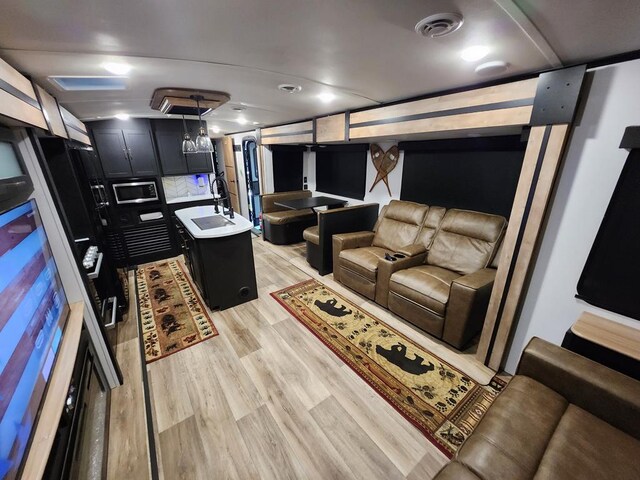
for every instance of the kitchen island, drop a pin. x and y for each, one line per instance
(219, 255)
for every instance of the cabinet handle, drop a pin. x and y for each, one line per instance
(126, 154)
(130, 156)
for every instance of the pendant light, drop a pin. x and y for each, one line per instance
(203, 142)
(188, 145)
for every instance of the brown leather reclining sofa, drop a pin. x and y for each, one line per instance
(283, 226)
(562, 417)
(444, 270)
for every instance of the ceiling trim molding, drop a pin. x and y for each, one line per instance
(531, 31)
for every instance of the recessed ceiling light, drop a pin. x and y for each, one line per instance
(496, 67)
(117, 68)
(256, 123)
(215, 129)
(238, 109)
(122, 116)
(475, 53)
(289, 88)
(242, 121)
(326, 97)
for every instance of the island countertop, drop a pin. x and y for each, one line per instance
(186, 216)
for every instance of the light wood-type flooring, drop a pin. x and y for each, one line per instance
(265, 399)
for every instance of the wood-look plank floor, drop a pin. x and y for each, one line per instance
(266, 399)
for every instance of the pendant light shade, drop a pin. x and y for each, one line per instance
(203, 142)
(188, 145)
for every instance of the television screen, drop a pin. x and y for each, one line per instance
(33, 312)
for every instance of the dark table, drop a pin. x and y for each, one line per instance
(311, 202)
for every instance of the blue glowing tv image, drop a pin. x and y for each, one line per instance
(33, 312)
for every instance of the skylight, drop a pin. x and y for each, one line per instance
(89, 83)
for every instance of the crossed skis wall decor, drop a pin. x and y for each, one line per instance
(384, 162)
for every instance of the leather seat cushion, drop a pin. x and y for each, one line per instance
(363, 261)
(584, 446)
(312, 234)
(288, 216)
(426, 285)
(513, 435)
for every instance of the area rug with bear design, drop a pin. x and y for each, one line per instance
(172, 316)
(444, 403)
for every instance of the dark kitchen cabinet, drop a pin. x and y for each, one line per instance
(113, 153)
(91, 164)
(141, 153)
(169, 135)
(172, 160)
(125, 148)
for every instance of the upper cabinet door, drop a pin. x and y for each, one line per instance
(142, 156)
(172, 159)
(113, 153)
(200, 162)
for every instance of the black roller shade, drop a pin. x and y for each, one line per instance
(479, 174)
(610, 278)
(287, 167)
(342, 170)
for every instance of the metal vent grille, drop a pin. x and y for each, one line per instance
(147, 240)
(439, 25)
(116, 246)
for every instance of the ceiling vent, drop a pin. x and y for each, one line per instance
(439, 25)
(238, 108)
(179, 101)
(289, 88)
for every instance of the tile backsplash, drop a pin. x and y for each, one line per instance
(184, 186)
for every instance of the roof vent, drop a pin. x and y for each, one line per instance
(179, 101)
(439, 25)
(72, 84)
(289, 88)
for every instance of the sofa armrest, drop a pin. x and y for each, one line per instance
(467, 306)
(413, 250)
(387, 268)
(605, 393)
(347, 241)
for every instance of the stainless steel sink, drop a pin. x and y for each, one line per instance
(212, 221)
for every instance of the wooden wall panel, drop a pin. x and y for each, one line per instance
(76, 129)
(18, 101)
(331, 128)
(51, 112)
(539, 171)
(476, 120)
(301, 132)
(230, 171)
(525, 89)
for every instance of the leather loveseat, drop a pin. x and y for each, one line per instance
(283, 226)
(561, 417)
(443, 272)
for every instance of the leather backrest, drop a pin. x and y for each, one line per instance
(380, 217)
(466, 241)
(269, 199)
(430, 225)
(400, 225)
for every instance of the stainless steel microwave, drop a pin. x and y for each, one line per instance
(135, 192)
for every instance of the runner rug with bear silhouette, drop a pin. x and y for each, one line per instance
(440, 400)
(173, 317)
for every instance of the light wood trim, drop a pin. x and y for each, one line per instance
(56, 396)
(492, 118)
(70, 119)
(15, 108)
(483, 96)
(14, 78)
(290, 128)
(532, 232)
(51, 112)
(261, 173)
(304, 138)
(509, 242)
(609, 334)
(331, 128)
(80, 137)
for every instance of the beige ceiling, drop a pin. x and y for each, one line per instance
(362, 51)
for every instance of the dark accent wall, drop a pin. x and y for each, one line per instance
(610, 277)
(342, 169)
(287, 167)
(478, 174)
